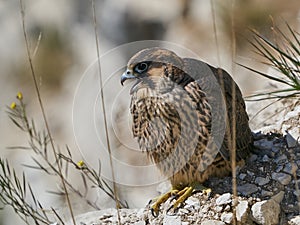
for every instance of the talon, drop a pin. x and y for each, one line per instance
(154, 212)
(159, 201)
(174, 195)
(169, 209)
(180, 197)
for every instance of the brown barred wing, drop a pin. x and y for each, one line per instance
(218, 86)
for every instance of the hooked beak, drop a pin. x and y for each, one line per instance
(127, 75)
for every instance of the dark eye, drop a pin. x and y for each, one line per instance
(141, 67)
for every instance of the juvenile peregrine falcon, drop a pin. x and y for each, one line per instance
(183, 116)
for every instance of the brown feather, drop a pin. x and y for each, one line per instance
(176, 105)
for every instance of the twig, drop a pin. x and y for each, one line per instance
(43, 110)
(13, 193)
(104, 113)
(215, 31)
(233, 129)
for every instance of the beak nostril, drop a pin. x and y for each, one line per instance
(127, 75)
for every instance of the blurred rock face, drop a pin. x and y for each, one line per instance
(255, 15)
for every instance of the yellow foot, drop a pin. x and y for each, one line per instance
(180, 197)
(163, 198)
(203, 189)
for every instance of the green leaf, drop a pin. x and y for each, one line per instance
(266, 75)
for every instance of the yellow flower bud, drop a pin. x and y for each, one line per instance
(20, 96)
(80, 163)
(13, 105)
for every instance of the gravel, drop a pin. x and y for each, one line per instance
(265, 186)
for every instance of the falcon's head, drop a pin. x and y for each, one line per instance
(151, 65)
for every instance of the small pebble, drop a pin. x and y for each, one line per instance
(251, 174)
(247, 189)
(290, 168)
(140, 223)
(241, 211)
(291, 141)
(185, 210)
(242, 176)
(263, 144)
(227, 217)
(282, 178)
(295, 220)
(262, 181)
(265, 193)
(223, 199)
(252, 158)
(192, 202)
(171, 220)
(276, 149)
(218, 208)
(205, 208)
(227, 208)
(265, 158)
(281, 159)
(278, 168)
(212, 222)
